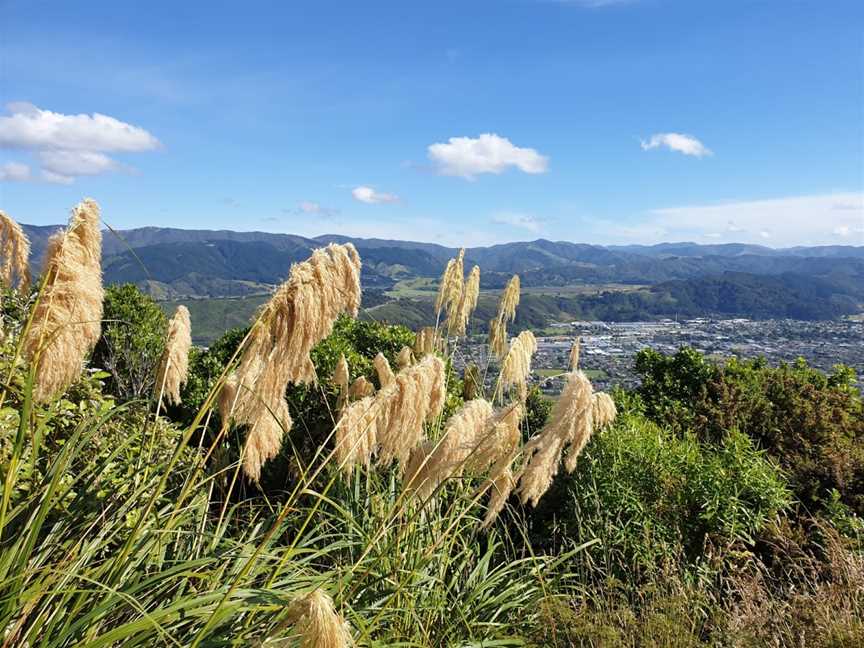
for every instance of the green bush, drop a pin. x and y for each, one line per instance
(132, 341)
(811, 423)
(658, 501)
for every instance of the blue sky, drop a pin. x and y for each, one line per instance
(466, 122)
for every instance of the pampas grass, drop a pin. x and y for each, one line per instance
(426, 341)
(66, 322)
(574, 354)
(299, 315)
(174, 364)
(570, 424)
(434, 462)
(360, 388)
(396, 415)
(516, 366)
(405, 358)
(450, 288)
(317, 622)
(603, 410)
(382, 368)
(506, 313)
(15, 252)
(457, 321)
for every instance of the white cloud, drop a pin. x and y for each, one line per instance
(795, 220)
(69, 146)
(371, 197)
(312, 208)
(515, 219)
(76, 163)
(309, 207)
(29, 127)
(686, 144)
(56, 178)
(14, 172)
(468, 157)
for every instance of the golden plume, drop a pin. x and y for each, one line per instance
(426, 341)
(457, 320)
(360, 388)
(382, 368)
(398, 413)
(452, 282)
(604, 411)
(317, 622)
(574, 354)
(516, 366)
(67, 317)
(174, 364)
(299, 315)
(15, 252)
(570, 424)
(405, 358)
(506, 313)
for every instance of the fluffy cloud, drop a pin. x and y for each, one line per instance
(781, 222)
(686, 144)
(29, 127)
(468, 157)
(69, 146)
(522, 221)
(14, 172)
(371, 197)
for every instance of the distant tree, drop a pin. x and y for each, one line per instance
(133, 337)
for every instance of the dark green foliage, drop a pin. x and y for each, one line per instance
(659, 501)
(132, 341)
(810, 423)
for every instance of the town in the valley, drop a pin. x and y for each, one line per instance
(608, 349)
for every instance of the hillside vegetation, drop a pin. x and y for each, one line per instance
(315, 479)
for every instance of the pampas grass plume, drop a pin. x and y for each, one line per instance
(457, 321)
(425, 341)
(382, 368)
(516, 366)
(174, 364)
(299, 315)
(570, 424)
(452, 282)
(506, 313)
(405, 358)
(317, 622)
(604, 411)
(15, 252)
(67, 317)
(360, 388)
(574, 354)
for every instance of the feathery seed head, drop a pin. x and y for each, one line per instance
(604, 411)
(516, 366)
(382, 367)
(174, 364)
(570, 424)
(457, 320)
(574, 354)
(452, 282)
(405, 358)
(498, 338)
(15, 253)
(67, 318)
(426, 341)
(317, 622)
(299, 315)
(341, 375)
(509, 300)
(360, 388)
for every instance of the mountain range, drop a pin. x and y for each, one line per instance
(735, 279)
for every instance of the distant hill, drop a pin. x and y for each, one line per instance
(753, 280)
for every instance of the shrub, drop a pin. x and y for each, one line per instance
(132, 340)
(658, 501)
(811, 423)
